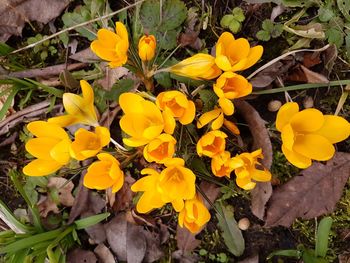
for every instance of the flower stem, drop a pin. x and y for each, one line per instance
(116, 144)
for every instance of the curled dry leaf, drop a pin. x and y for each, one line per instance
(64, 190)
(14, 14)
(104, 254)
(315, 192)
(47, 205)
(81, 256)
(126, 240)
(253, 259)
(262, 192)
(123, 198)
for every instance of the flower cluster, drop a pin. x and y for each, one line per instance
(54, 149)
(151, 124)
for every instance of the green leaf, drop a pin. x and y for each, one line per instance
(277, 30)
(323, 231)
(226, 21)
(5, 49)
(235, 26)
(344, 7)
(90, 221)
(325, 14)
(150, 14)
(164, 79)
(209, 99)
(309, 257)
(267, 25)
(72, 19)
(287, 253)
(238, 14)
(168, 39)
(232, 235)
(298, 3)
(335, 36)
(173, 15)
(120, 87)
(263, 35)
(8, 101)
(199, 166)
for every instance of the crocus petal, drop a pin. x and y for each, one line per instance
(40, 167)
(231, 126)
(223, 63)
(118, 184)
(130, 103)
(226, 105)
(254, 55)
(135, 142)
(285, 114)
(121, 31)
(245, 183)
(169, 122)
(288, 137)
(296, 159)
(44, 129)
(64, 120)
(97, 181)
(261, 176)
(60, 152)
(335, 128)
(104, 135)
(189, 113)
(314, 146)
(217, 123)
(88, 93)
(314, 121)
(41, 147)
(208, 117)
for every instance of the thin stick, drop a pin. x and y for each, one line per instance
(76, 26)
(283, 56)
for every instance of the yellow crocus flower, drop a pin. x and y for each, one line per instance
(308, 134)
(147, 47)
(236, 54)
(87, 144)
(194, 215)
(51, 148)
(211, 143)
(80, 109)
(160, 149)
(222, 164)
(112, 47)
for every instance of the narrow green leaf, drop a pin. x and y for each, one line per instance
(323, 231)
(8, 102)
(303, 86)
(5, 49)
(90, 221)
(287, 253)
(232, 235)
(50, 90)
(10, 216)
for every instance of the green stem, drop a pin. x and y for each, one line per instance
(54, 243)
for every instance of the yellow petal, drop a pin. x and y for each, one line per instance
(226, 105)
(121, 31)
(152, 132)
(88, 93)
(60, 153)
(231, 126)
(169, 122)
(41, 147)
(285, 114)
(40, 167)
(296, 159)
(97, 181)
(308, 120)
(73, 104)
(288, 137)
(223, 63)
(190, 112)
(245, 183)
(217, 123)
(314, 146)
(224, 41)
(335, 128)
(103, 134)
(45, 129)
(261, 176)
(254, 55)
(64, 120)
(135, 142)
(208, 117)
(131, 103)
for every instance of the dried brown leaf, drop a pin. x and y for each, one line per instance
(104, 254)
(262, 192)
(153, 252)
(313, 77)
(79, 255)
(186, 241)
(123, 198)
(47, 205)
(14, 14)
(85, 56)
(313, 193)
(126, 240)
(253, 259)
(64, 190)
(344, 257)
(111, 75)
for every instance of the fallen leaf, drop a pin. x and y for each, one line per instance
(313, 193)
(111, 75)
(64, 190)
(344, 258)
(311, 59)
(313, 77)
(192, 30)
(186, 241)
(330, 56)
(126, 240)
(47, 205)
(85, 56)
(253, 259)
(104, 254)
(211, 192)
(276, 11)
(262, 191)
(123, 198)
(14, 14)
(153, 251)
(184, 257)
(79, 255)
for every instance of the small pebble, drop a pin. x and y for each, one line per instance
(243, 223)
(274, 105)
(308, 102)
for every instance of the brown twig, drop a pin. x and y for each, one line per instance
(29, 112)
(9, 140)
(43, 72)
